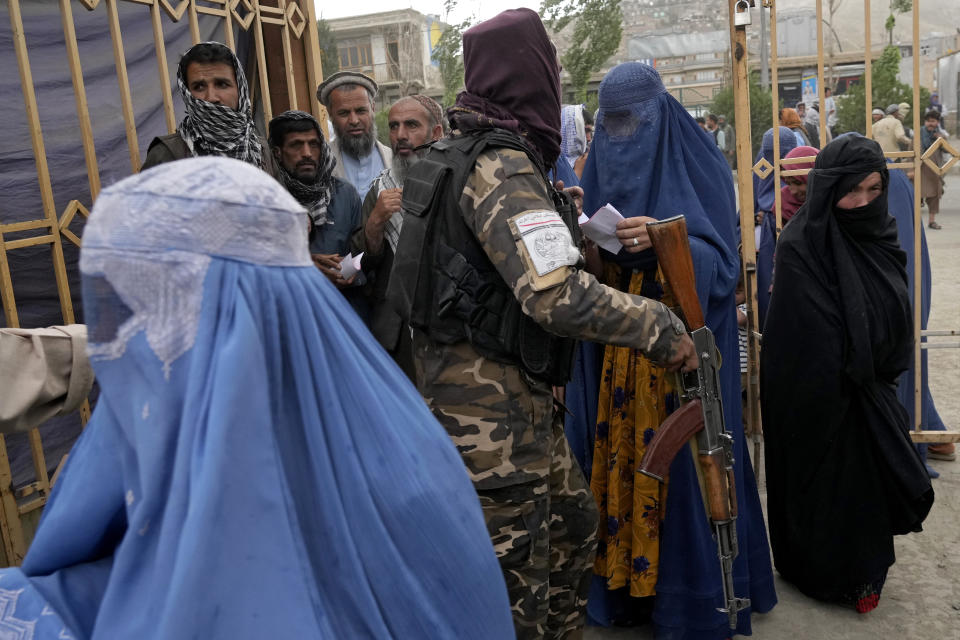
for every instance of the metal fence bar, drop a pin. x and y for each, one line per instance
(867, 69)
(775, 91)
(917, 222)
(314, 68)
(288, 59)
(228, 38)
(821, 80)
(162, 68)
(741, 91)
(194, 22)
(80, 93)
(262, 65)
(126, 103)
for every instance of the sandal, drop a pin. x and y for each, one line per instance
(935, 225)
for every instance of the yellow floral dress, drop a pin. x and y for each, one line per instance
(635, 398)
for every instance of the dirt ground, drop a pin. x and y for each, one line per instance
(921, 599)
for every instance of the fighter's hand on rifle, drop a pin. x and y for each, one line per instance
(683, 355)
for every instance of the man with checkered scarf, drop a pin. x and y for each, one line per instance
(218, 119)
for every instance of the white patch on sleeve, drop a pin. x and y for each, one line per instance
(548, 241)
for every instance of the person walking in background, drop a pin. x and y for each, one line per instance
(889, 133)
(830, 107)
(791, 120)
(729, 146)
(931, 183)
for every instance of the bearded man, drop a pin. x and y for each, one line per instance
(305, 168)
(218, 120)
(350, 101)
(414, 121)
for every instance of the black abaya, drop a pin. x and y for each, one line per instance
(842, 474)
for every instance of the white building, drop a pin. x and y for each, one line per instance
(392, 47)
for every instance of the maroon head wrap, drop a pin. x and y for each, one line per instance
(512, 81)
(789, 203)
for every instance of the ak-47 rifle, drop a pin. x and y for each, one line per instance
(702, 413)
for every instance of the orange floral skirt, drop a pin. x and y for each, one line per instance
(635, 398)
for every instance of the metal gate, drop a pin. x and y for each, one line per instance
(913, 159)
(283, 66)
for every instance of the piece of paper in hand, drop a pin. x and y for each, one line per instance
(602, 228)
(350, 265)
(583, 219)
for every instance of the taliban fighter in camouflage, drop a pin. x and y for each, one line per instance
(487, 275)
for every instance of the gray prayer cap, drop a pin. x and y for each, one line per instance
(878, 112)
(345, 77)
(893, 109)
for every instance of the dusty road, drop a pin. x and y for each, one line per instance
(921, 600)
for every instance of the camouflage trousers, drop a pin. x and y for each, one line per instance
(544, 533)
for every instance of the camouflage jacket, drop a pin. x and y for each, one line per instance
(498, 417)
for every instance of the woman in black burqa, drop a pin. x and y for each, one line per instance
(842, 475)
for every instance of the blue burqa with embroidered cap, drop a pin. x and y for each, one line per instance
(256, 466)
(650, 158)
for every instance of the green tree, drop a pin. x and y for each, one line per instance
(761, 116)
(896, 6)
(597, 30)
(448, 53)
(328, 48)
(886, 89)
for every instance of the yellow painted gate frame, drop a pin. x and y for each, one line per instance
(913, 159)
(295, 18)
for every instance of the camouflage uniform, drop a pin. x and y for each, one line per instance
(539, 510)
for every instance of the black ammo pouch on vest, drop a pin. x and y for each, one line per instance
(442, 281)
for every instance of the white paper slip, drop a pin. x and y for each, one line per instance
(583, 219)
(350, 265)
(602, 228)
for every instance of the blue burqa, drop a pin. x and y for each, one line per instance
(764, 199)
(900, 206)
(649, 157)
(256, 466)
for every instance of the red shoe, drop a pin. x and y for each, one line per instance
(942, 451)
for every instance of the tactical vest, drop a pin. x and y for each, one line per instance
(442, 281)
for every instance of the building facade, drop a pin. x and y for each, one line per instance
(392, 47)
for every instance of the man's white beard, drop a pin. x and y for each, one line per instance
(401, 165)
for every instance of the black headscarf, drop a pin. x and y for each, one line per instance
(512, 80)
(842, 474)
(860, 246)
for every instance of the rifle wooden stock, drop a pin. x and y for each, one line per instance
(718, 490)
(675, 432)
(670, 242)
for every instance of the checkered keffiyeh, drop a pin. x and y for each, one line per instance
(216, 130)
(387, 180)
(315, 196)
